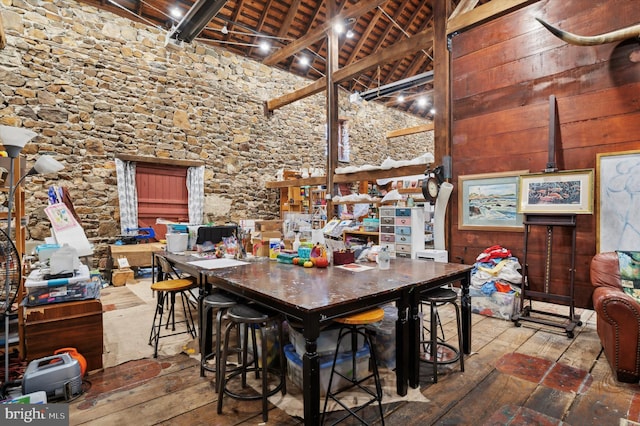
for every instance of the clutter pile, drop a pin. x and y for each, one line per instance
(495, 281)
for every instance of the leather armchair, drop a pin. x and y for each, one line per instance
(618, 318)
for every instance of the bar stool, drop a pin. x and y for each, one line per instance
(250, 318)
(353, 326)
(167, 291)
(219, 301)
(436, 350)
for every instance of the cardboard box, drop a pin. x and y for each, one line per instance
(260, 242)
(268, 225)
(120, 277)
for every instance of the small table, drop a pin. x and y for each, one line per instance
(315, 296)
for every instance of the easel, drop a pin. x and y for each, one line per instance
(551, 221)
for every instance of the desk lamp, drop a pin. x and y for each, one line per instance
(14, 139)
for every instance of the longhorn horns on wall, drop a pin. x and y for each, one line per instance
(618, 35)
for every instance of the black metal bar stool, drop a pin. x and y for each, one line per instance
(353, 326)
(219, 301)
(166, 292)
(436, 350)
(250, 319)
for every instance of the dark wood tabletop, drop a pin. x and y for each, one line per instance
(316, 295)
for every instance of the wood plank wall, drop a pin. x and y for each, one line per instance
(503, 74)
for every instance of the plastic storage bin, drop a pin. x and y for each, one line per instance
(326, 341)
(40, 291)
(498, 305)
(343, 365)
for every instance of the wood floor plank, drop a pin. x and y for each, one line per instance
(551, 402)
(175, 375)
(164, 407)
(169, 391)
(605, 402)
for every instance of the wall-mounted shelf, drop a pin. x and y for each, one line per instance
(369, 175)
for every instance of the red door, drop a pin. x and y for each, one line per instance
(162, 193)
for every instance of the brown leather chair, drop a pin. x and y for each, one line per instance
(618, 320)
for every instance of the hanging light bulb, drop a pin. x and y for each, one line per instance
(265, 46)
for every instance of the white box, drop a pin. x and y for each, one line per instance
(326, 343)
(441, 256)
(343, 365)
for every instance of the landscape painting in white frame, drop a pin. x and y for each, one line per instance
(618, 192)
(563, 192)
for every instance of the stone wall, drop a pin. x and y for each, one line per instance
(94, 85)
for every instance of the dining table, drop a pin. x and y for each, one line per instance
(313, 297)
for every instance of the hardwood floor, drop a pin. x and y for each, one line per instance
(515, 376)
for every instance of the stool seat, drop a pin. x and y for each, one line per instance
(173, 285)
(219, 300)
(167, 291)
(247, 314)
(441, 295)
(363, 318)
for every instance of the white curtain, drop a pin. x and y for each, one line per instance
(195, 187)
(127, 195)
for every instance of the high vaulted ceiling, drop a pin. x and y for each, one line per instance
(241, 26)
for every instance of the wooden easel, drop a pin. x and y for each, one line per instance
(551, 221)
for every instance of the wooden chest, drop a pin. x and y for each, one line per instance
(62, 325)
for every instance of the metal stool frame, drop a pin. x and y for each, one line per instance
(250, 319)
(437, 298)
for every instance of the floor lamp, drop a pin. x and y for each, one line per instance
(14, 139)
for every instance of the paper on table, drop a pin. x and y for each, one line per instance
(355, 267)
(217, 263)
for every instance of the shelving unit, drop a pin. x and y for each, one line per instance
(364, 236)
(318, 208)
(364, 178)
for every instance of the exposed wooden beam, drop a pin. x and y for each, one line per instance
(164, 161)
(316, 87)
(291, 13)
(410, 131)
(484, 13)
(332, 103)
(260, 23)
(319, 32)
(463, 7)
(390, 74)
(421, 40)
(363, 38)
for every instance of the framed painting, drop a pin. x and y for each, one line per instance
(487, 202)
(566, 192)
(618, 201)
